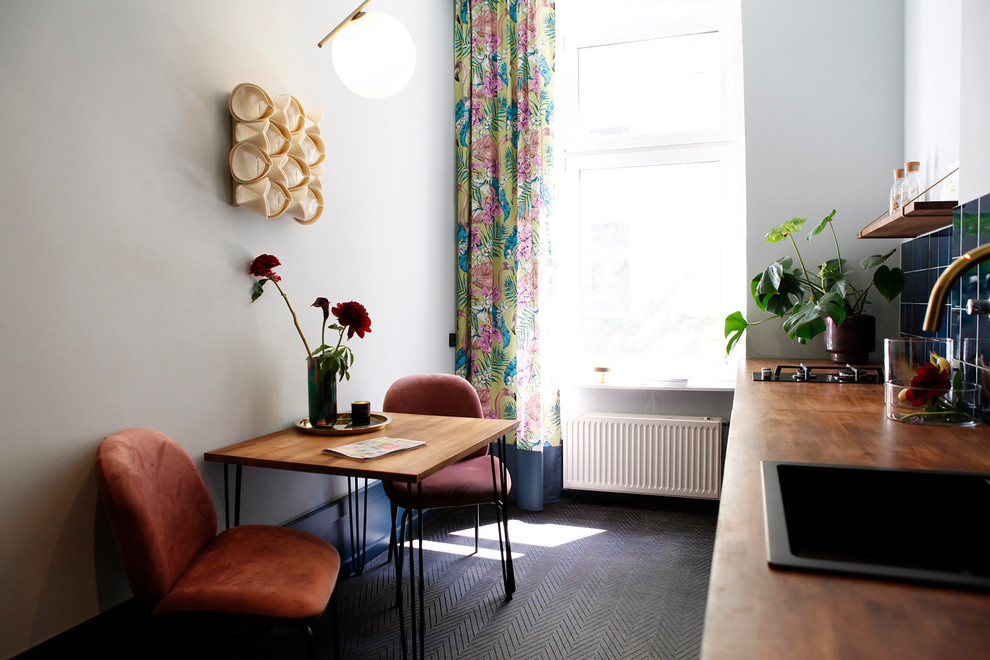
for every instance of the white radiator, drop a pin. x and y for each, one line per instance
(679, 456)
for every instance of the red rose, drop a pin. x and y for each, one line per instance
(354, 317)
(262, 267)
(930, 383)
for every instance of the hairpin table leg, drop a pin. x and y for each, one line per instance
(510, 584)
(226, 496)
(237, 494)
(422, 580)
(359, 541)
(399, 548)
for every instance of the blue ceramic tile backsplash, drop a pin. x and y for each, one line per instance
(923, 259)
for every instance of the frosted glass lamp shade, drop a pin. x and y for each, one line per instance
(374, 55)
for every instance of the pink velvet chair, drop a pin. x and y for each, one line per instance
(165, 527)
(468, 482)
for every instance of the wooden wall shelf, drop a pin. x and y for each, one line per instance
(915, 219)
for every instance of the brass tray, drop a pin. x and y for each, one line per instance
(344, 426)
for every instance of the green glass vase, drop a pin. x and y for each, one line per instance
(322, 395)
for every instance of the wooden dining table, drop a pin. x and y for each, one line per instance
(447, 441)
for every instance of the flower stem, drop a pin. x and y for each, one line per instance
(939, 407)
(295, 321)
(949, 415)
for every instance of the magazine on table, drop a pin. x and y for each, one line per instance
(374, 448)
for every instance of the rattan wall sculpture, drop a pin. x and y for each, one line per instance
(278, 155)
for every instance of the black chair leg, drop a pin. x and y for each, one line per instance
(477, 525)
(162, 639)
(310, 646)
(335, 627)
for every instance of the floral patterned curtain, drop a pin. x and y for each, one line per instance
(504, 68)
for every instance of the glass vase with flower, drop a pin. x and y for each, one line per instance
(927, 392)
(326, 365)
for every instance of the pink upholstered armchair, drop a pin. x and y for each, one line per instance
(466, 483)
(165, 528)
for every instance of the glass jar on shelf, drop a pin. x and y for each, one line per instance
(912, 181)
(897, 191)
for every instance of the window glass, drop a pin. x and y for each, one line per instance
(651, 281)
(666, 85)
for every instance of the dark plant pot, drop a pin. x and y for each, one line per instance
(853, 341)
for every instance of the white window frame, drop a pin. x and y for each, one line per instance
(634, 20)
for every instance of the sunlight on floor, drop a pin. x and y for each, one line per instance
(520, 533)
(465, 550)
(548, 535)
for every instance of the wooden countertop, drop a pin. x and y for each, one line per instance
(761, 613)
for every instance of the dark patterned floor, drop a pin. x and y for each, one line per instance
(634, 588)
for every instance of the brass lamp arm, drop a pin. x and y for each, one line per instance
(353, 15)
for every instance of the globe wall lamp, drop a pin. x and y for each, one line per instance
(373, 53)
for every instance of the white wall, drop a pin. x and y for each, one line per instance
(974, 123)
(126, 297)
(824, 104)
(932, 56)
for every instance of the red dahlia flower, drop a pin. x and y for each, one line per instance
(262, 267)
(930, 383)
(354, 317)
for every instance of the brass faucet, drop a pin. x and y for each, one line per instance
(936, 301)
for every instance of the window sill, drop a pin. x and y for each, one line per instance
(690, 385)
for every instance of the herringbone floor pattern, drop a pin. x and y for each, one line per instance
(635, 590)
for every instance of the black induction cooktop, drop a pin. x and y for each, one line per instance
(886, 523)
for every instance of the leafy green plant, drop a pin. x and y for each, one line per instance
(803, 298)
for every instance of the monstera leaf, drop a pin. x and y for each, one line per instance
(807, 320)
(777, 289)
(889, 282)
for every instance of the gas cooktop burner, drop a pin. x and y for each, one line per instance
(802, 374)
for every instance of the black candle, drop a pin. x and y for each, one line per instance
(360, 413)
